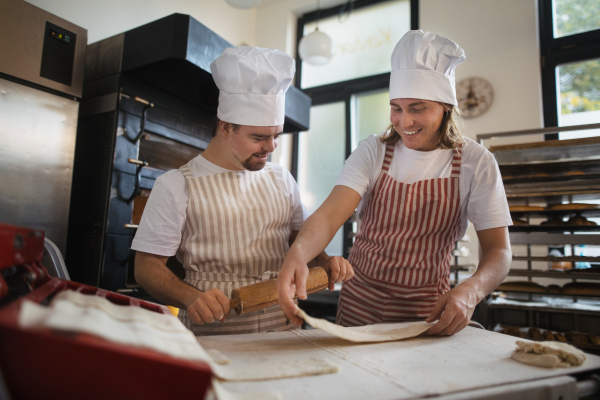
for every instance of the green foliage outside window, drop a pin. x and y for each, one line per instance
(574, 16)
(580, 86)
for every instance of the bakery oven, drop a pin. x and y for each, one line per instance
(149, 103)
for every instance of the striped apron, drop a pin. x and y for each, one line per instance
(402, 252)
(236, 233)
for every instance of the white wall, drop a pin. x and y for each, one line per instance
(105, 18)
(500, 39)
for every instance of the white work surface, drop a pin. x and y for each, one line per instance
(414, 368)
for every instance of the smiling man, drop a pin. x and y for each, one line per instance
(228, 215)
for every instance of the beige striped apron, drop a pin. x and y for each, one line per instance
(401, 255)
(236, 233)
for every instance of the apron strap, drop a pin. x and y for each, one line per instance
(456, 162)
(387, 159)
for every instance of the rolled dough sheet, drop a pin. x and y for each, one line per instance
(275, 370)
(366, 337)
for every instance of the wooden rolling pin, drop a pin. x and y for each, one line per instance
(264, 294)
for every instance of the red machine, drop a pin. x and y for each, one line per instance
(64, 365)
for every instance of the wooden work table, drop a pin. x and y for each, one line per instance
(426, 366)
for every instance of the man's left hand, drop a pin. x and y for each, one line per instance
(341, 270)
(455, 308)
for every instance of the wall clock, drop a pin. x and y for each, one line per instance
(475, 96)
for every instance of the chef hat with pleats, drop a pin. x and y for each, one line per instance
(252, 82)
(423, 66)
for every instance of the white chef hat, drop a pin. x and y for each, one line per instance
(252, 82)
(423, 67)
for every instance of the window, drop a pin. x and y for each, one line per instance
(570, 54)
(349, 95)
(363, 43)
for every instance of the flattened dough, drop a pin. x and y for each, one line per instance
(548, 354)
(539, 360)
(364, 337)
(275, 370)
(564, 351)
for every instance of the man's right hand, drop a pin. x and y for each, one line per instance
(208, 307)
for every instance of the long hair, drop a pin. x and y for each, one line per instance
(451, 131)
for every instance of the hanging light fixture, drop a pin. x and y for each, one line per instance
(243, 4)
(316, 48)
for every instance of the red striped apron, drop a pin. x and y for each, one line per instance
(402, 252)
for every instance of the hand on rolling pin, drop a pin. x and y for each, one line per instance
(291, 280)
(456, 308)
(339, 270)
(208, 307)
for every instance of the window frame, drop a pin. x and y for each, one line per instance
(344, 90)
(558, 51)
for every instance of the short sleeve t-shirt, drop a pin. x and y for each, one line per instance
(160, 230)
(482, 197)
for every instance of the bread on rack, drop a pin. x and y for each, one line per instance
(530, 287)
(578, 220)
(563, 265)
(581, 288)
(526, 208)
(593, 338)
(560, 337)
(535, 334)
(549, 336)
(574, 337)
(513, 331)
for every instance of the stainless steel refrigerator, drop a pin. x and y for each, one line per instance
(41, 78)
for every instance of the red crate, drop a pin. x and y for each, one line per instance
(44, 364)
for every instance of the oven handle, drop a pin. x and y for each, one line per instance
(138, 175)
(147, 105)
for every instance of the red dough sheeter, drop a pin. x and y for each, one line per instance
(53, 365)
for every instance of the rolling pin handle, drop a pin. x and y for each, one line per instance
(234, 304)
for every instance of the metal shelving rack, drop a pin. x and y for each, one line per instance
(550, 172)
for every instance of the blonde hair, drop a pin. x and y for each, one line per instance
(451, 131)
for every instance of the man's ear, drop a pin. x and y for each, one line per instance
(225, 127)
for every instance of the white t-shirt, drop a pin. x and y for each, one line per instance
(163, 221)
(482, 197)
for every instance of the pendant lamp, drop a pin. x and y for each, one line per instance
(243, 4)
(316, 48)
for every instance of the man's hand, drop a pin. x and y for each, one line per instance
(341, 270)
(456, 309)
(209, 306)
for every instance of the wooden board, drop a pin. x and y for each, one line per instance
(424, 366)
(546, 144)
